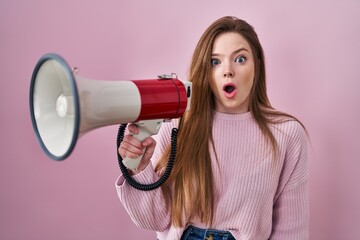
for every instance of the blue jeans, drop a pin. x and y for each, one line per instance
(195, 233)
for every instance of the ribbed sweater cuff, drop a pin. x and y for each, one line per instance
(143, 177)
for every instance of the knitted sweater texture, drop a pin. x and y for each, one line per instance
(257, 197)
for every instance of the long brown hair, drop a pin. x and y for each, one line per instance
(191, 185)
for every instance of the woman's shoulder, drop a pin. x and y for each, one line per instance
(288, 125)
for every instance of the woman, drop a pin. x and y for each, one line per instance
(241, 170)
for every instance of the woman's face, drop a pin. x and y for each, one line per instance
(232, 73)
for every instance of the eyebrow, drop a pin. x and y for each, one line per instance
(236, 51)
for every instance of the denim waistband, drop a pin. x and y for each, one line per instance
(192, 233)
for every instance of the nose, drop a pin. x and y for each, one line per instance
(228, 74)
(228, 71)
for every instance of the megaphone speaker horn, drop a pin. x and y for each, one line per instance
(54, 106)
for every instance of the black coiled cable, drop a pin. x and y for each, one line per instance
(169, 167)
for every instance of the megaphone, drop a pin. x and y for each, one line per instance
(65, 106)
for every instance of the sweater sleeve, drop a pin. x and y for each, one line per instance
(291, 204)
(147, 209)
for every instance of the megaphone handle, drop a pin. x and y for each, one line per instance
(169, 166)
(146, 128)
(133, 163)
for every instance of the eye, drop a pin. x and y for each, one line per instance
(215, 61)
(240, 59)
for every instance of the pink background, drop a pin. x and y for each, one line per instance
(312, 52)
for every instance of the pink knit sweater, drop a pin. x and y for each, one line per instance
(257, 197)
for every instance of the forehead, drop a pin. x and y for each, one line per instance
(229, 42)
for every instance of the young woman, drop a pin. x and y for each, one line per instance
(241, 170)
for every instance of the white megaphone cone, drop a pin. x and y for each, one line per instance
(65, 106)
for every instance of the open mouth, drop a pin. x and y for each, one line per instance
(229, 88)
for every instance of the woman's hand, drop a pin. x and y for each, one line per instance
(132, 148)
